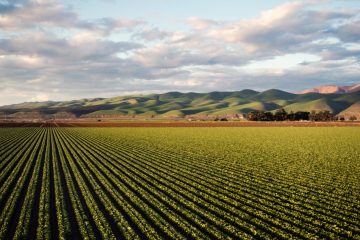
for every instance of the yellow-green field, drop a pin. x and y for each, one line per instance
(180, 183)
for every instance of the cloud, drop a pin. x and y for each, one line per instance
(150, 34)
(83, 46)
(6, 7)
(201, 24)
(283, 29)
(27, 14)
(41, 97)
(46, 48)
(33, 13)
(349, 32)
(9, 5)
(107, 26)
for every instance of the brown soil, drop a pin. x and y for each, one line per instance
(182, 124)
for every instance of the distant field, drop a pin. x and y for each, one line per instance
(183, 123)
(180, 183)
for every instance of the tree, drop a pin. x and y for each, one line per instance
(302, 116)
(260, 116)
(298, 116)
(268, 116)
(321, 116)
(280, 115)
(326, 116)
(313, 116)
(353, 118)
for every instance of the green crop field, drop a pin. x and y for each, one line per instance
(180, 183)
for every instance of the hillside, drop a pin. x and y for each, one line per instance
(353, 110)
(176, 104)
(332, 89)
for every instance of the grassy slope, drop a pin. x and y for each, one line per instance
(353, 110)
(180, 104)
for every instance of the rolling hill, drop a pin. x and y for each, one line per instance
(177, 104)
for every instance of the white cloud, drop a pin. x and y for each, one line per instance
(24, 61)
(286, 61)
(35, 80)
(41, 97)
(45, 47)
(150, 34)
(201, 24)
(35, 13)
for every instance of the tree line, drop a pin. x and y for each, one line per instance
(282, 115)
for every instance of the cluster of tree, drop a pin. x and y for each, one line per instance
(353, 118)
(260, 116)
(224, 119)
(322, 116)
(282, 115)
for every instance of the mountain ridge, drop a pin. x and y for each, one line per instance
(332, 89)
(178, 104)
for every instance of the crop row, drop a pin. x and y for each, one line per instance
(72, 183)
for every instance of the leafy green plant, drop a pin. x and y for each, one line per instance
(180, 183)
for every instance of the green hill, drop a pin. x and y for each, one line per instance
(316, 105)
(274, 94)
(177, 104)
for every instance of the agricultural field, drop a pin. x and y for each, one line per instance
(180, 183)
(182, 123)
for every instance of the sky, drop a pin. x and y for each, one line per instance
(64, 50)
